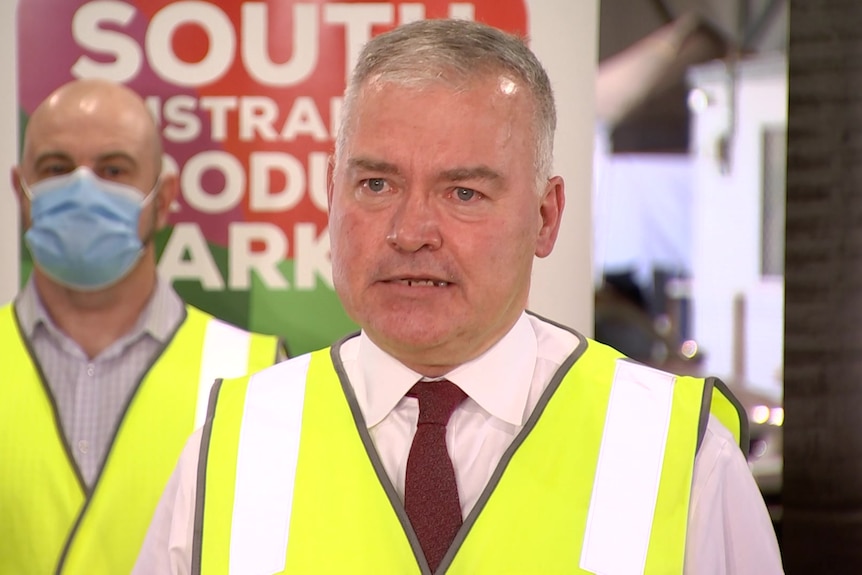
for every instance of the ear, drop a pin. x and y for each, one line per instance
(550, 213)
(330, 175)
(165, 197)
(15, 176)
(23, 201)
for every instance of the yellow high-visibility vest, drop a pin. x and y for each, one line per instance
(49, 521)
(598, 480)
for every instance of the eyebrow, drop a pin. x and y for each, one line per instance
(370, 165)
(459, 174)
(106, 157)
(118, 155)
(51, 155)
(471, 173)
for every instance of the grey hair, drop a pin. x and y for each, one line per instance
(456, 52)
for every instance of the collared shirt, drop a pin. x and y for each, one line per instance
(494, 383)
(729, 531)
(91, 394)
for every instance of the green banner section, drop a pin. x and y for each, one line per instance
(305, 319)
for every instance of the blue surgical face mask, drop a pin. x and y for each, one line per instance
(84, 230)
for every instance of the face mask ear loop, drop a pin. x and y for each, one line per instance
(25, 188)
(152, 193)
(147, 200)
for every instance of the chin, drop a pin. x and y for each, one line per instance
(409, 336)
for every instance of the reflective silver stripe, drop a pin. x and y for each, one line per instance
(629, 471)
(265, 476)
(225, 354)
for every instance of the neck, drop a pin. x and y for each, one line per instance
(96, 319)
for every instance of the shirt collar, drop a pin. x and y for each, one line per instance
(29, 310)
(160, 317)
(163, 313)
(498, 380)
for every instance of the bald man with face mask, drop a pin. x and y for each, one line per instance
(107, 370)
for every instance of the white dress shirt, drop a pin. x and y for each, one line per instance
(729, 530)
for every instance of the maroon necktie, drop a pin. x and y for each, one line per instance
(430, 492)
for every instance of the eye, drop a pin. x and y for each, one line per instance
(111, 172)
(50, 170)
(376, 185)
(466, 194)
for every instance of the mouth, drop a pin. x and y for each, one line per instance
(418, 282)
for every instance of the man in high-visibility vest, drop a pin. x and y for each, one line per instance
(106, 370)
(457, 432)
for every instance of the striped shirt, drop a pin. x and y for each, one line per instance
(91, 395)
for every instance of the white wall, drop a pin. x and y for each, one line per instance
(8, 154)
(563, 34)
(567, 45)
(727, 214)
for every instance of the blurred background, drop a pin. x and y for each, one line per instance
(689, 199)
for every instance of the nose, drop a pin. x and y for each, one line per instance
(414, 225)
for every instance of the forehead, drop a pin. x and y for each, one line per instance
(86, 134)
(492, 112)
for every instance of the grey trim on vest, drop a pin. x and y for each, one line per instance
(54, 409)
(744, 432)
(386, 483)
(382, 477)
(156, 357)
(200, 494)
(282, 351)
(705, 405)
(90, 494)
(552, 387)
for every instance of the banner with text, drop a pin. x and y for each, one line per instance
(247, 96)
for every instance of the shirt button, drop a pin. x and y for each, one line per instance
(91, 369)
(83, 446)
